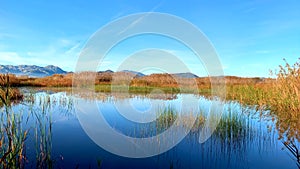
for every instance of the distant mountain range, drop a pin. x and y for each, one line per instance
(31, 70)
(37, 71)
(185, 75)
(137, 74)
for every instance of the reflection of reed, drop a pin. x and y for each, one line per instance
(12, 136)
(166, 118)
(281, 96)
(103, 97)
(232, 140)
(43, 134)
(291, 146)
(44, 105)
(12, 140)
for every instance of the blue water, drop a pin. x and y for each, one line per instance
(256, 146)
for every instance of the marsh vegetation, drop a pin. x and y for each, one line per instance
(260, 116)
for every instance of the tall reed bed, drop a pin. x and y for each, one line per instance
(282, 97)
(15, 127)
(285, 100)
(12, 135)
(7, 93)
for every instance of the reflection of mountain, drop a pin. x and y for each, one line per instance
(31, 70)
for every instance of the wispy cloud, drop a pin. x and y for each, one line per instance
(249, 10)
(13, 58)
(74, 50)
(279, 25)
(6, 35)
(61, 52)
(3, 47)
(119, 14)
(263, 51)
(138, 20)
(131, 25)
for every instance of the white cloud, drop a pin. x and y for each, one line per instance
(65, 42)
(6, 35)
(74, 49)
(13, 58)
(62, 53)
(262, 51)
(3, 47)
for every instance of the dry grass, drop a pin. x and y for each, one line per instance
(285, 99)
(103, 81)
(8, 94)
(12, 137)
(281, 96)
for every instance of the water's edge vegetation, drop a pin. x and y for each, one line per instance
(281, 96)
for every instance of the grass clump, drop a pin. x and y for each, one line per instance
(8, 94)
(12, 136)
(285, 100)
(166, 118)
(281, 96)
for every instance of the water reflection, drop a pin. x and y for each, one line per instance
(54, 138)
(294, 150)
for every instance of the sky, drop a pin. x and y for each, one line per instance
(250, 37)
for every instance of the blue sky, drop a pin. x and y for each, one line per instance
(250, 37)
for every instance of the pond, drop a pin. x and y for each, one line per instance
(119, 131)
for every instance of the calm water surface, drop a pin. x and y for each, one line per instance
(243, 138)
